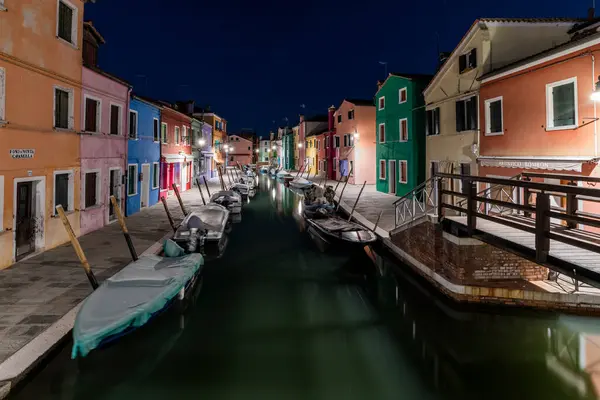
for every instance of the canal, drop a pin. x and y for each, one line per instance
(277, 319)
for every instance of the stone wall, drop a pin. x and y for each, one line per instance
(472, 263)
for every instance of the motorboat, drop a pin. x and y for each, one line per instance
(300, 183)
(264, 169)
(284, 176)
(314, 211)
(211, 219)
(337, 233)
(229, 199)
(134, 296)
(242, 189)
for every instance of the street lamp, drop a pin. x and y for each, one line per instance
(201, 142)
(299, 145)
(256, 151)
(274, 147)
(596, 93)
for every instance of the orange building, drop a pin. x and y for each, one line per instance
(40, 98)
(537, 114)
(219, 137)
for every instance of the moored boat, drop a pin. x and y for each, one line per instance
(300, 183)
(339, 234)
(229, 199)
(213, 220)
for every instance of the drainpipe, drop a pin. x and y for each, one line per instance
(595, 116)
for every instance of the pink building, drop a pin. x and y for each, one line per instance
(103, 145)
(240, 150)
(305, 127)
(354, 141)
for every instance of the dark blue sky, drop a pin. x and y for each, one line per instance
(256, 62)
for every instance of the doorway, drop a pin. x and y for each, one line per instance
(114, 189)
(392, 176)
(25, 224)
(145, 198)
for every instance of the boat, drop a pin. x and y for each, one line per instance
(229, 199)
(213, 221)
(318, 211)
(300, 183)
(284, 175)
(134, 296)
(339, 234)
(242, 189)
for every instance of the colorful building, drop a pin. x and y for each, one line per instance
(288, 149)
(103, 144)
(305, 126)
(201, 141)
(264, 150)
(240, 151)
(452, 96)
(143, 155)
(176, 150)
(400, 150)
(219, 134)
(537, 114)
(330, 151)
(40, 150)
(315, 146)
(296, 147)
(354, 142)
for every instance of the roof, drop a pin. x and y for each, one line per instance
(412, 77)
(444, 68)
(109, 76)
(318, 130)
(553, 51)
(89, 25)
(361, 102)
(146, 100)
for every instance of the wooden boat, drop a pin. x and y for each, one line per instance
(339, 234)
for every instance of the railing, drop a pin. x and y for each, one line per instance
(419, 202)
(496, 192)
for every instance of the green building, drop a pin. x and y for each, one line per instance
(400, 127)
(288, 149)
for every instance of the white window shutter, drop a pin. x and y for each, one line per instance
(2, 93)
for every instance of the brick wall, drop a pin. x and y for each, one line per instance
(465, 264)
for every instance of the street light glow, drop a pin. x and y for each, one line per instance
(274, 147)
(299, 145)
(201, 142)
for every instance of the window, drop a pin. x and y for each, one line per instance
(345, 140)
(403, 124)
(351, 173)
(155, 175)
(466, 114)
(163, 132)
(133, 124)
(63, 190)
(432, 126)
(402, 96)
(63, 108)
(493, 116)
(382, 169)
(335, 164)
(155, 129)
(403, 171)
(318, 144)
(92, 114)
(115, 119)
(132, 179)
(337, 142)
(351, 114)
(2, 95)
(92, 189)
(248, 147)
(468, 61)
(67, 22)
(339, 118)
(350, 139)
(382, 103)
(381, 133)
(561, 104)
(177, 135)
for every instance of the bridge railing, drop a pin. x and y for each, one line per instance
(419, 202)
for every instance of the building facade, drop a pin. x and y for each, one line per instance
(400, 127)
(354, 142)
(452, 96)
(305, 127)
(328, 139)
(240, 151)
(219, 134)
(143, 155)
(103, 144)
(264, 150)
(296, 147)
(41, 153)
(176, 151)
(288, 149)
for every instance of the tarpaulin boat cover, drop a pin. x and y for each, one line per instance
(130, 297)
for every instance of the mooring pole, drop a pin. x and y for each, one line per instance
(121, 219)
(176, 190)
(336, 186)
(221, 177)
(341, 194)
(169, 216)
(206, 184)
(356, 202)
(300, 170)
(77, 247)
(377, 223)
(200, 189)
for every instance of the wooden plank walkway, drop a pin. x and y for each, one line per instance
(583, 258)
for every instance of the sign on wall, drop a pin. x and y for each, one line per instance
(22, 153)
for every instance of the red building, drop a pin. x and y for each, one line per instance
(330, 153)
(239, 150)
(176, 150)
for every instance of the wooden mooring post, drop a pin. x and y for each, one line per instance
(200, 190)
(341, 194)
(77, 247)
(220, 173)
(300, 170)
(169, 216)
(207, 189)
(121, 219)
(356, 202)
(176, 190)
(377, 222)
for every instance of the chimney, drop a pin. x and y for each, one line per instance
(301, 118)
(330, 113)
(379, 84)
(591, 13)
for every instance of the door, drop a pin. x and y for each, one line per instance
(392, 176)
(145, 198)
(114, 189)
(25, 232)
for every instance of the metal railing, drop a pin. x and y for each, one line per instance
(419, 202)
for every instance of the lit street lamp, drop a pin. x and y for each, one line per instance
(596, 93)
(299, 145)
(274, 147)
(201, 142)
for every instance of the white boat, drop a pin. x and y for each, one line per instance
(242, 189)
(213, 220)
(300, 183)
(229, 199)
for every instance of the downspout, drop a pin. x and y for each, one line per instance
(595, 114)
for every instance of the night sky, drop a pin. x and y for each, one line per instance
(256, 62)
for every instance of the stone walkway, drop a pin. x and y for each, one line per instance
(37, 292)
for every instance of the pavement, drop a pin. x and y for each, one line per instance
(36, 294)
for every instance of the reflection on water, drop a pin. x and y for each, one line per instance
(277, 319)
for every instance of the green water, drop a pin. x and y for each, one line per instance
(277, 319)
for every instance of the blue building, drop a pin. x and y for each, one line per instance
(143, 155)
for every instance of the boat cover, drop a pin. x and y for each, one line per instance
(338, 225)
(130, 297)
(300, 183)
